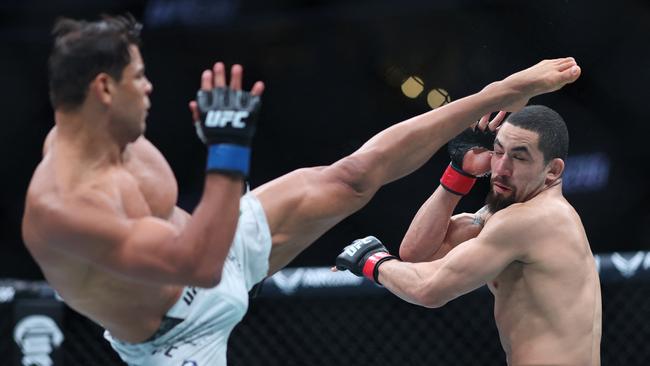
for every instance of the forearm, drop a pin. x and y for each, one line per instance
(413, 282)
(210, 231)
(428, 229)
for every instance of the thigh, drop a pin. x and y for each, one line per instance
(302, 205)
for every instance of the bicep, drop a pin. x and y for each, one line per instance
(141, 249)
(179, 217)
(462, 227)
(471, 265)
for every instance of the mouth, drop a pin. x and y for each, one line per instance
(500, 188)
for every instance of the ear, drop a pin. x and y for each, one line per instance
(102, 88)
(555, 168)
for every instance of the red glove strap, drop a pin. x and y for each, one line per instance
(369, 266)
(457, 182)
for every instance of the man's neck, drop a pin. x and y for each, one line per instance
(551, 187)
(88, 137)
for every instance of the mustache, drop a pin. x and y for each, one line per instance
(501, 180)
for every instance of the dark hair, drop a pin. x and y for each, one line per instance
(84, 49)
(549, 125)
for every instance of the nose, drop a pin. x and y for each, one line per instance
(148, 87)
(501, 165)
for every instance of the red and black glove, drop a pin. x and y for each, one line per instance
(455, 179)
(363, 257)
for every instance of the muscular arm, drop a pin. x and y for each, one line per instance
(468, 266)
(429, 227)
(147, 249)
(303, 205)
(404, 147)
(434, 232)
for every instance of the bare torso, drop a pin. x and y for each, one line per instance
(142, 184)
(548, 306)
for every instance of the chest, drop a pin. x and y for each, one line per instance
(147, 187)
(508, 280)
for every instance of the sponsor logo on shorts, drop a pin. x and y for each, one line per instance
(189, 294)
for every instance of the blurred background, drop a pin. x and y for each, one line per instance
(338, 72)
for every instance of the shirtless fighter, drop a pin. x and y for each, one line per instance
(527, 244)
(101, 216)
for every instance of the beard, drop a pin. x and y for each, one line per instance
(496, 201)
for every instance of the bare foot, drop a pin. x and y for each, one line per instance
(544, 77)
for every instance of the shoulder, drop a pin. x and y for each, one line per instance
(526, 224)
(514, 223)
(51, 215)
(48, 140)
(144, 148)
(148, 154)
(466, 218)
(479, 218)
(515, 216)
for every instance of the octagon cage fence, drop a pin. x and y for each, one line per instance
(312, 316)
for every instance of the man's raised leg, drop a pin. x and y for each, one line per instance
(304, 204)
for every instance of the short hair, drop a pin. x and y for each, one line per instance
(550, 127)
(83, 49)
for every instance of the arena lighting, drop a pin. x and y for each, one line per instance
(412, 86)
(438, 97)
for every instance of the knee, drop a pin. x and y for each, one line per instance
(357, 174)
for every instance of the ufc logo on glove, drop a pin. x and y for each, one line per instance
(222, 118)
(356, 245)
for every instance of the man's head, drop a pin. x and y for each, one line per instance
(101, 61)
(529, 153)
(82, 50)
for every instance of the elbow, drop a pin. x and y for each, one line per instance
(434, 303)
(207, 280)
(407, 254)
(431, 297)
(204, 276)
(411, 252)
(356, 172)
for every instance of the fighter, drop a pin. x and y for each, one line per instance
(527, 244)
(168, 286)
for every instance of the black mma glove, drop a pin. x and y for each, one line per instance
(363, 257)
(227, 125)
(455, 179)
(467, 140)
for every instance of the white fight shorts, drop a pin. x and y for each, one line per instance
(195, 330)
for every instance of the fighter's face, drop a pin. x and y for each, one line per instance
(518, 168)
(131, 99)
